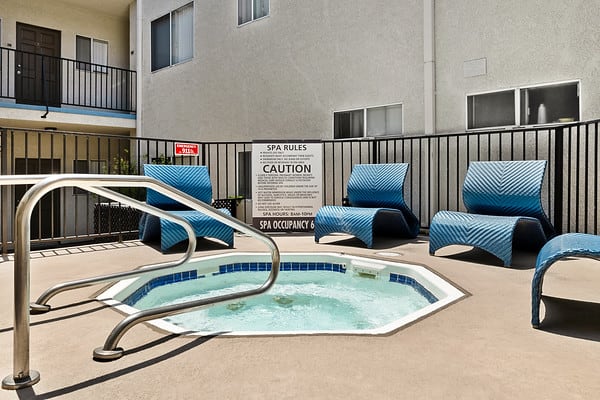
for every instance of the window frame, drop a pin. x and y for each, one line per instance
(101, 68)
(366, 122)
(170, 15)
(517, 104)
(253, 19)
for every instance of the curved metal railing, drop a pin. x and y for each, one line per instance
(41, 304)
(22, 375)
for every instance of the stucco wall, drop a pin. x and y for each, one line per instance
(524, 42)
(70, 20)
(284, 75)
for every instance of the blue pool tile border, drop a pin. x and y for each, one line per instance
(284, 266)
(230, 268)
(407, 280)
(265, 266)
(161, 281)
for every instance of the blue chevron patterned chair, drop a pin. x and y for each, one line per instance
(503, 200)
(377, 207)
(562, 246)
(195, 181)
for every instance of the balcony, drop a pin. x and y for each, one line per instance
(40, 80)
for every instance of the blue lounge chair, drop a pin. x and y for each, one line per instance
(567, 245)
(376, 196)
(194, 181)
(503, 200)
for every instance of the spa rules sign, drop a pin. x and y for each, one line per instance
(287, 185)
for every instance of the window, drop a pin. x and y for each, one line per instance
(532, 105)
(491, 109)
(91, 51)
(249, 10)
(384, 121)
(375, 121)
(348, 124)
(172, 38)
(550, 104)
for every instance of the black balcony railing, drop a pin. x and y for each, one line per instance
(438, 166)
(29, 78)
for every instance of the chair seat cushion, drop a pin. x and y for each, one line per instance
(363, 223)
(194, 181)
(492, 233)
(504, 208)
(376, 195)
(171, 233)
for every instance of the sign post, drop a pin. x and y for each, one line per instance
(287, 185)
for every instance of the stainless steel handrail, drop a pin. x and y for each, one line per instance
(22, 375)
(41, 306)
(110, 351)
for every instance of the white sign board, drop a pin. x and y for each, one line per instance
(287, 185)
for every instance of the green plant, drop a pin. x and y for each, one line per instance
(123, 165)
(162, 160)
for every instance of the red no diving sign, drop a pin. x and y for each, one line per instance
(187, 149)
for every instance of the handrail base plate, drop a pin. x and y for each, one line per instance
(36, 309)
(107, 355)
(12, 383)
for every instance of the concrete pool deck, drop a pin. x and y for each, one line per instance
(481, 347)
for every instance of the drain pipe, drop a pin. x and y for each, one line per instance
(429, 66)
(44, 89)
(139, 67)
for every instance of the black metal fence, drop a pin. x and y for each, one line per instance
(438, 165)
(29, 78)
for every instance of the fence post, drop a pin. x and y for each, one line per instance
(375, 152)
(5, 210)
(558, 179)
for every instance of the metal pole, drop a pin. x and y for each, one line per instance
(4, 191)
(22, 376)
(558, 179)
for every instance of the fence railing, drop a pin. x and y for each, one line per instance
(438, 165)
(29, 78)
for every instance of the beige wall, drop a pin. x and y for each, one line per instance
(524, 42)
(284, 75)
(70, 20)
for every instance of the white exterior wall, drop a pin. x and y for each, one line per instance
(525, 43)
(284, 75)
